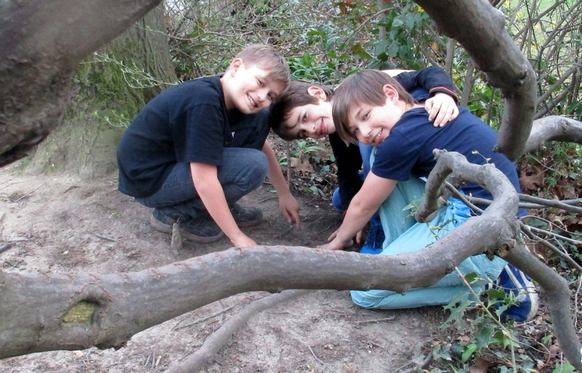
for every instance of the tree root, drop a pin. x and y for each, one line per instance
(218, 339)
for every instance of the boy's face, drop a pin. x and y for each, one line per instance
(372, 124)
(310, 121)
(249, 89)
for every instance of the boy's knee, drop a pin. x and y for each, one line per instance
(260, 166)
(371, 299)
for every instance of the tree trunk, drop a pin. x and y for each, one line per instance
(103, 103)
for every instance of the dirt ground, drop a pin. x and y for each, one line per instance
(60, 224)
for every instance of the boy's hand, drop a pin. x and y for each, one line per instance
(290, 209)
(335, 243)
(441, 108)
(242, 241)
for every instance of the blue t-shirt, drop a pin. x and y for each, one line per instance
(187, 123)
(408, 150)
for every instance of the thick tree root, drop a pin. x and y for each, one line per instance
(218, 339)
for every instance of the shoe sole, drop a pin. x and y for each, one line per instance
(529, 289)
(187, 235)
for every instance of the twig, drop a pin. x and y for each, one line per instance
(527, 230)
(219, 338)
(5, 247)
(105, 237)
(204, 319)
(315, 356)
(552, 203)
(537, 203)
(567, 239)
(27, 194)
(376, 320)
(284, 232)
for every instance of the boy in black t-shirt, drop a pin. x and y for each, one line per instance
(195, 149)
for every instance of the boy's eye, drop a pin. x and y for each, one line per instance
(302, 135)
(366, 116)
(260, 83)
(270, 97)
(304, 117)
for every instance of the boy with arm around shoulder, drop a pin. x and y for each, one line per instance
(305, 111)
(376, 110)
(197, 148)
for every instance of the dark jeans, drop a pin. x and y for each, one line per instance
(243, 170)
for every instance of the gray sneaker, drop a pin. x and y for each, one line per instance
(246, 216)
(202, 230)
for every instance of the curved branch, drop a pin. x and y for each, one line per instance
(557, 294)
(219, 338)
(505, 198)
(553, 128)
(479, 28)
(504, 205)
(42, 312)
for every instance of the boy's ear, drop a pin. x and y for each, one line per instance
(317, 92)
(234, 66)
(390, 92)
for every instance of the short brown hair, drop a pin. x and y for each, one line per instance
(266, 57)
(364, 87)
(296, 95)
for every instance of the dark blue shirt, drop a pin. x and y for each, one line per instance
(188, 123)
(408, 150)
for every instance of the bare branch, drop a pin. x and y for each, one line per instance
(496, 54)
(553, 128)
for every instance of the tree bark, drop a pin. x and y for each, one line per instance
(42, 43)
(103, 103)
(480, 29)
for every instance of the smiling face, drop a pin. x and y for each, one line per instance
(371, 124)
(310, 121)
(249, 89)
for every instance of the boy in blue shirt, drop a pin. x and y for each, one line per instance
(374, 109)
(304, 111)
(195, 149)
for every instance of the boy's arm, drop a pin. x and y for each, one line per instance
(287, 203)
(205, 180)
(442, 106)
(364, 204)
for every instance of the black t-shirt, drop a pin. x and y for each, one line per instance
(186, 123)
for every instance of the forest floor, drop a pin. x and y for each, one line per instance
(61, 224)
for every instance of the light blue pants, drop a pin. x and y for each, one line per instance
(404, 234)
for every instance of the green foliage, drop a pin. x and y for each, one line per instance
(406, 35)
(479, 322)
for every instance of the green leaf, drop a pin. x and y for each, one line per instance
(469, 350)
(564, 368)
(359, 51)
(484, 335)
(393, 49)
(472, 277)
